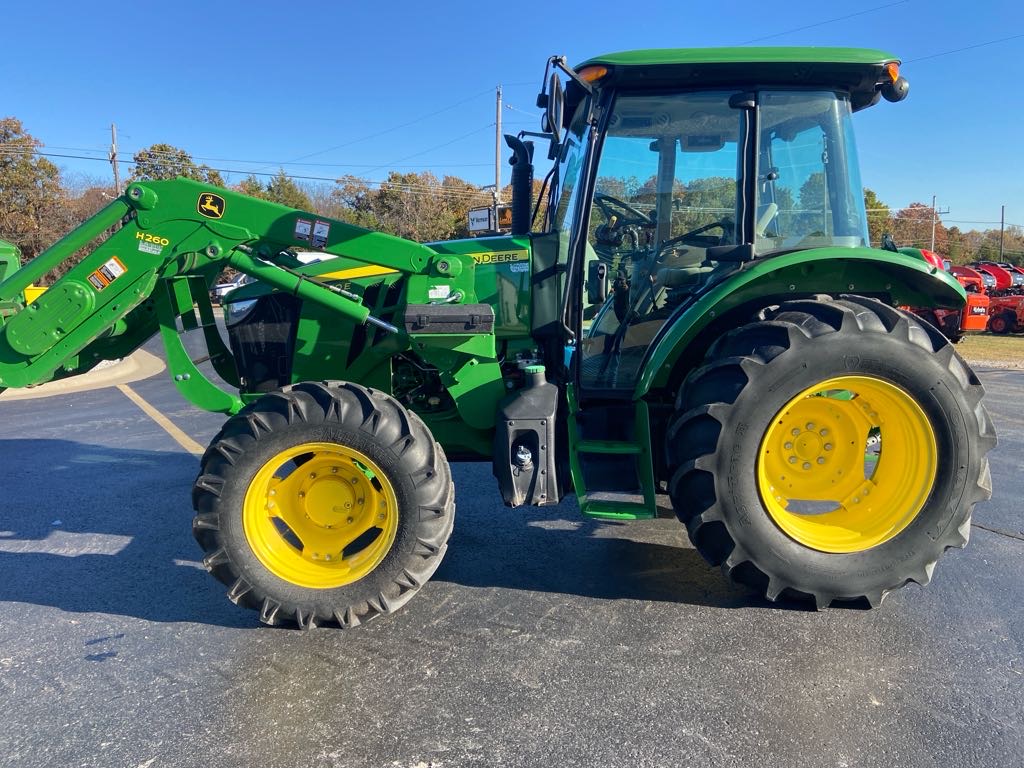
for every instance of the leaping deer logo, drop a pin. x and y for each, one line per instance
(211, 205)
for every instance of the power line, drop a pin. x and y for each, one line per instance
(431, 149)
(169, 154)
(392, 129)
(411, 187)
(15, 149)
(966, 48)
(823, 23)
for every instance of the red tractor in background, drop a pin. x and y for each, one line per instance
(974, 317)
(1006, 299)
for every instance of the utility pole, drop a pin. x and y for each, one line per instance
(934, 220)
(113, 158)
(1002, 225)
(497, 157)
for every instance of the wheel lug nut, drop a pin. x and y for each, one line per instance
(795, 431)
(354, 481)
(381, 517)
(807, 465)
(810, 425)
(302, 494)
(828, 447)
(334, 469)
(349, 519)
(792, 460)
(823, 432)
(821, 460)
(273, 492)
(789, 444)
(312, 475)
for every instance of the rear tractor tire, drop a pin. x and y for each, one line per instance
(323, 503)
(832, 450)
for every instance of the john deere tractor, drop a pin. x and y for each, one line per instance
(692, 309)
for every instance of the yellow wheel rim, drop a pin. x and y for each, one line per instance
(320, 515)
(847, 464)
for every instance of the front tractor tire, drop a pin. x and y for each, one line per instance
(831, 450)
(323, 503)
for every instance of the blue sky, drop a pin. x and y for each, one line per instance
(325, 89)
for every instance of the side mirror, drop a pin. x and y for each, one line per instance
(597, 282)
(554, 111)
(896, 91)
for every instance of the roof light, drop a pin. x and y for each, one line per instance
(593, 73)
(892, 69)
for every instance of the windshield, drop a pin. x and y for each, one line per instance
(809, 192)
(666, 193)
(567, 180)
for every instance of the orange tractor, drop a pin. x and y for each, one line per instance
(973, 317)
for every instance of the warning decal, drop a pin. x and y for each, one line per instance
(108, 272)
(321, 231)
(303, 227)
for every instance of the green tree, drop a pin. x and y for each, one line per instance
(912, 226)
(417, 206)
(353, 200)
(281, 189)
(251, 186)
(879, 217)
(32, 201)
(164, 161)
(813, 218)
(703, 201)
(955, 246)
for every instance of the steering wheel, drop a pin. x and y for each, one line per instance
(726, 225)
(636, 217)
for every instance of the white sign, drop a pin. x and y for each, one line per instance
(480, 219)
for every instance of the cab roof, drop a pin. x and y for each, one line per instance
(751, 56)
(857, 70)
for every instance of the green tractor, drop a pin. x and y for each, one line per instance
(691, 308)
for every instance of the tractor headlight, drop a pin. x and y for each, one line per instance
(235, 312)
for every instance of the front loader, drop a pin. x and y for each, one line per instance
(697, 315)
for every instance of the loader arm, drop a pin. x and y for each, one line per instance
(149, 260)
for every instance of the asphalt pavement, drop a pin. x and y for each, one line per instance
(542, 640)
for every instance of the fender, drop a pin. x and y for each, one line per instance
(895, 278)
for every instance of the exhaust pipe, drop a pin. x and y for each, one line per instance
(522, 184)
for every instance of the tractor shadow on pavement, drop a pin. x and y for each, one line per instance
(88, 528)
(556, 550)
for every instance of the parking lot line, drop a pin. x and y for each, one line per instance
(169, 427)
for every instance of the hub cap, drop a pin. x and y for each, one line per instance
(320, 515)
(847, 464)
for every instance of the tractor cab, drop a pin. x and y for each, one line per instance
(676, 173)
(664, 188)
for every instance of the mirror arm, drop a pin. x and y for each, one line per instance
(560, 62)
